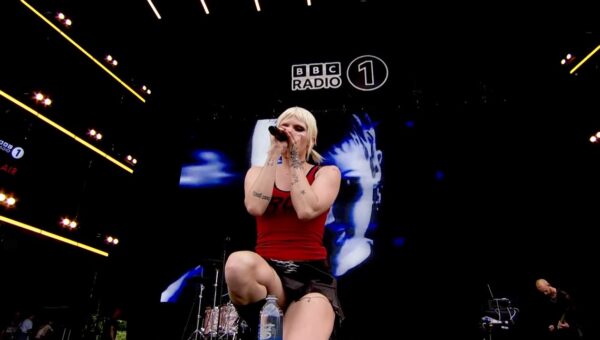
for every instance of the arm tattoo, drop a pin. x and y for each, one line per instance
(261, 196)
(296, 163)
(303, 192)
(294, 179)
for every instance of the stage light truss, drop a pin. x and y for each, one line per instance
(52, 235)
(82, 50)
(584, 59)
(65, 131)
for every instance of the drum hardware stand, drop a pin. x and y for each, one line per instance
(224, 259)
(221, 295)
(197, 333)
(215, 285)
(227, 334)
(215, 308)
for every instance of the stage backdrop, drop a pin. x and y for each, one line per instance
(211, 220)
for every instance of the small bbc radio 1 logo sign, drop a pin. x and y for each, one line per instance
(316, 76)
(364, 73)
(16, 152)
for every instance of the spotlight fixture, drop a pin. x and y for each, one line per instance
(568, 59)
(111, 61)
(62, 18)
(593, 139)
(66, 222)
(131, 160)
(111, 240)
(42, 99)
(146, 90)
(7, 201)
(94, 134)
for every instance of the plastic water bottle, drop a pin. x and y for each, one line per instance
(271, 320)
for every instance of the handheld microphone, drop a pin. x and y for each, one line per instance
(279, 135)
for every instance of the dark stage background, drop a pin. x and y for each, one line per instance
(488, 177)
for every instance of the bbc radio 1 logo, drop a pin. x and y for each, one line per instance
(316, 76)
(364, 73)
(16, 152)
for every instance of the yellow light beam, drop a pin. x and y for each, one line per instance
(65, 131)
(86, 53)
(52, 235)
(584, 59)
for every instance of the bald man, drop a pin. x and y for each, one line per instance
(560, 312)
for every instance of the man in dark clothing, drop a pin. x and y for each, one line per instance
(560, 316)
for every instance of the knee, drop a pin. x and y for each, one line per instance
(239, 266)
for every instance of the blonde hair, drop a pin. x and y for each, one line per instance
(307, 117)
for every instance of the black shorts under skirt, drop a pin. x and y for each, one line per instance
(302, 277)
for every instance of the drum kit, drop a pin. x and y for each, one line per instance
(219, 322)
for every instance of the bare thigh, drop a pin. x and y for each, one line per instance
(311, 317)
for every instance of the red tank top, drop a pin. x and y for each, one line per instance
(282, 236)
